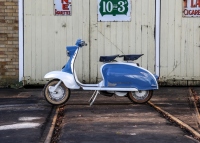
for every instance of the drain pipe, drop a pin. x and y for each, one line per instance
(158, 37)
(21, 40)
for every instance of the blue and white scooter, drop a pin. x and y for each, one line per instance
(118, 78)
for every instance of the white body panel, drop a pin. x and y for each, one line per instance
(109, 89)
(68, 79)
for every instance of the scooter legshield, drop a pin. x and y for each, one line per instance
(126, 75)
(66, 78)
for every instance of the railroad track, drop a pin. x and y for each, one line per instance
(54, 132)
(194, 100)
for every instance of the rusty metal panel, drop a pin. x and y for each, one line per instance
(46, 36)
(134, 37)
(180, 45)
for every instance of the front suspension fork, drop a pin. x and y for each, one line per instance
(52, 89)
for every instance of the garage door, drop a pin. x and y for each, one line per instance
(46, 36)
(180, 45)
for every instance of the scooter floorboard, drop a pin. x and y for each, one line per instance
(109, 89)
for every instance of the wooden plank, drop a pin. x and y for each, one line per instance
(85, 35)
(196, 41)
(108, 50)
(77, 33)
(44, 50)
(151, 37)
(79, 21)
(38, 44)
(177, 38)
(138, 24)
(190, 53)
(113, 38)
(93, 42)
(59, 27)
(184, 48)
(119, 33)
(170, 39)
(27, 38)
(144, 33)
(164, 39)
(33, 37)
(51, 33)
(100, 46)
(125, 37)
(132, 30)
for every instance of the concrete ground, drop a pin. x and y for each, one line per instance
(176, 102)
(118, 120)
(25, 116)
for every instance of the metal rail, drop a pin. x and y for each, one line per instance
(54, 130)
(194, 98)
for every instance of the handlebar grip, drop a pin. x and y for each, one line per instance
(83, 43)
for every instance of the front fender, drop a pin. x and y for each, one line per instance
(66, 78)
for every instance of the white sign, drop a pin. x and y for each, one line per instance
(114, 10)
(62, 7)
(191, 8)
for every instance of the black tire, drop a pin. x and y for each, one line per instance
(60, 97)
(140, 96)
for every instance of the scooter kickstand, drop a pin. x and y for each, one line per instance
(92, 96)
(92, 99)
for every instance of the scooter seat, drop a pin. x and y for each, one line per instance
(131, 57)
(107, 58)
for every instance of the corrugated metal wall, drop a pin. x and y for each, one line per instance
(180, 45)
(46, 37)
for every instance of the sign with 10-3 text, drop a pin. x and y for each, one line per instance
(114, 10)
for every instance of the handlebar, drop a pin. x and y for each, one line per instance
(83, 43)
(80, 43)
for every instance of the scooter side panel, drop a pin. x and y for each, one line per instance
(68, 79)
(68, 67)
(128, 76)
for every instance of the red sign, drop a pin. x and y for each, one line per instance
(62, 7)
(191, 8)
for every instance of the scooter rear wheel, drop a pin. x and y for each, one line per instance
(141, 96)
(60, 96)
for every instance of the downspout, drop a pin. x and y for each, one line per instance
(21, 40)
(158, 7)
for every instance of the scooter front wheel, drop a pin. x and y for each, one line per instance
(141, 96)
(59, 96)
